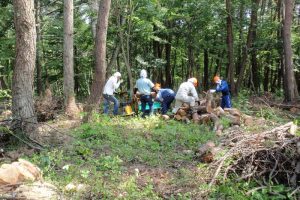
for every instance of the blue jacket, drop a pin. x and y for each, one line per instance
(223, 87)
(164, 93)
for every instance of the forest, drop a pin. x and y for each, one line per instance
(205, 98)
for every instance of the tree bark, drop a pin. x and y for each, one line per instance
(23, 74)
(205, 78)
(291, 93)
(39, 51)
(253, 25)
(100, 52)
(230, 75)
(239, 48)
(126, 53)
(168, 72)
(71, 108)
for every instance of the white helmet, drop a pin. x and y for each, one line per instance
(117, 74)
(143, 73)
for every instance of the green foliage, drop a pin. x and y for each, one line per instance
(5, 95)
(103, 151)
(251, 191)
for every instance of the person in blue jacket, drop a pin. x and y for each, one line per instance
(165, 97)
(222, 86)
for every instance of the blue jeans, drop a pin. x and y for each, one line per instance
(226, 103)
(165, 105)
(107, 100)
(144, 100)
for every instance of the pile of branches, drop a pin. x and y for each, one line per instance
(269, 156)
(207, 111)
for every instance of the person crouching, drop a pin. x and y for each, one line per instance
(165, 97)
(186, 94)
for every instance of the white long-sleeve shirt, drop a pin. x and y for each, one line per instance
(186, 89)
(111, 85)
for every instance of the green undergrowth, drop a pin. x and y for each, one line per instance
(262, 110)
(244, 190)
(107, 155)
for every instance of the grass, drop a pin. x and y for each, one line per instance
(128, 158)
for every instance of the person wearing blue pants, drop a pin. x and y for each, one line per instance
(222, 86)
(108, 92)
(165, 97)
(143, 87)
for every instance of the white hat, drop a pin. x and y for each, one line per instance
(143, 73)
(117, 74)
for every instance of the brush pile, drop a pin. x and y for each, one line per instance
(270, 156)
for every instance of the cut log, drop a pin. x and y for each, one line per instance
(233, 111)
(248, 120)
(177, 117)
(196, 118)
(181, 112)
(205, 153)
(205, 119)
(219, 111)
(165, 117)
(234, 120)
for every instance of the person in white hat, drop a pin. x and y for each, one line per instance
(110, 87)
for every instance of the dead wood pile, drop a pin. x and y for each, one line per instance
(273, 155)
(206, 111)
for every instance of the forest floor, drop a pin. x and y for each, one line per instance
(133, 158)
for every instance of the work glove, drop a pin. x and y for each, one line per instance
(121, 81)
(212, 91)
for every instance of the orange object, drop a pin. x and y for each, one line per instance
(195, 81)
(157, 86)
(216, 79)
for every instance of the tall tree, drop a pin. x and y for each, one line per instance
(249, 43)
(71, 107)
(230, 75)
(23, 74)
(100, 53)
(39, 81)
(291, 92)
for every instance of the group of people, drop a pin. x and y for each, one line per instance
(149, 92)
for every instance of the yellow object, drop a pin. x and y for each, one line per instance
(216, 79)
(128, 110)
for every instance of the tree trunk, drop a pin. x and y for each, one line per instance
(100, 51)
(253, 25)
(230, 75)
(205, 78)
(113, 60)
(71, 107)
(39, 81)
(23, 74)
(267, 74)
(168, 82)
(239, 49)
(95, 8)
(190, 61)
(289, 77)
(126, 53)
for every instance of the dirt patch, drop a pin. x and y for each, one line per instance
(171, 182)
